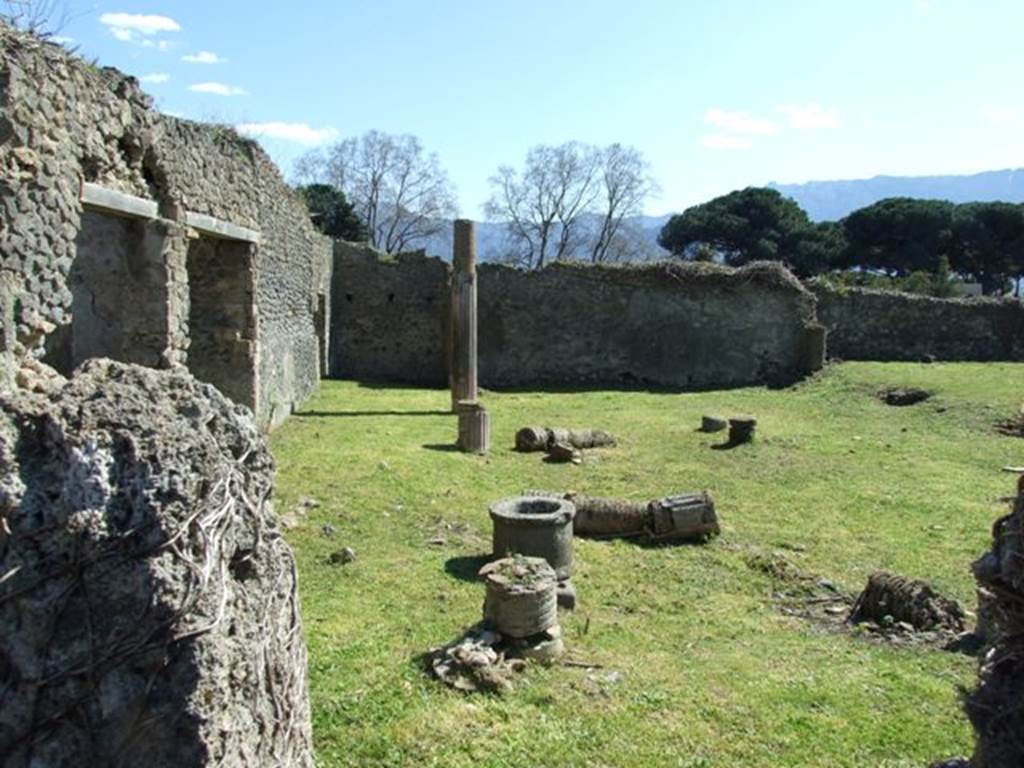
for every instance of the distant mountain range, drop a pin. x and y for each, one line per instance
(831, 200)
(823, 201)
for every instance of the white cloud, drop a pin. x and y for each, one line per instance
(740, 122)
(134, 27)
(219, 89)
(724, 141)
(203, 57)
(810, 116)
(300, 133)
(156, 77)
(924, 5)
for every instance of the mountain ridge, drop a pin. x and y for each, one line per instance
(832, 200)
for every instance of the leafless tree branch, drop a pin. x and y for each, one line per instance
(401, 193)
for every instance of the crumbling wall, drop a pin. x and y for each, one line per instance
(885, 325)
(149, 602)
(388, 316)
(671, 325)
(64, 122)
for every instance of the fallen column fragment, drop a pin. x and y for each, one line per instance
(608, 518)
(891, 599)
(681, 517)
(532, 439)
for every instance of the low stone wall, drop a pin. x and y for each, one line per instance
(666, 325)
(880, 325)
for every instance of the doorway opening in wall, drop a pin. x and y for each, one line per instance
(116, 280)
(222, 316)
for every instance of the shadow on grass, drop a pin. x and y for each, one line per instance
(356, 414)
(466, 567)
(623, 381)
(442, 447)
(728, 445)
(644, 541)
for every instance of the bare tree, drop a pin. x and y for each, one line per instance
(542, 205)
(626, 184)
(570, 201)
(44, 18)
(400, 192)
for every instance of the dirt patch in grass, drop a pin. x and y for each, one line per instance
(444, 533)
(816, 599)
(1012, 427)
(903, 396)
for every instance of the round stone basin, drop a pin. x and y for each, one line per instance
(535, 526)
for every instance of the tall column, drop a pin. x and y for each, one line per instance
(464, 336)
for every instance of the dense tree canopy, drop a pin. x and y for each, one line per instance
(988, 243)
(747, 225)
(332, 213)
(899, 235)
(922, 243)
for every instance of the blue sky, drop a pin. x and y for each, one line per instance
(717, 94)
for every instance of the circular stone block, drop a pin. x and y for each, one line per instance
(535, 527)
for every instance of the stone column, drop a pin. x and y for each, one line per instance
(464, 334)
(474, 427)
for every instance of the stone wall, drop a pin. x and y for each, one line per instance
(388, 316)
(665, 325)
(881, 325)
(64, 122)
(668, 325)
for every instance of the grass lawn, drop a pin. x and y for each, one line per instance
(698, 666)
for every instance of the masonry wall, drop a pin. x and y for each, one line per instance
(388, 316)
(879, 325)
(62, 122)
(669, 325)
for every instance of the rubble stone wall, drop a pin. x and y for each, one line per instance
(388, 316)
(671, 325)
(668, 325)
(64, 122)
(883, 325)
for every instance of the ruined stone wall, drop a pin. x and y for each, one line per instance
(881, 325)
(388, 316)
(680, 326)
(62, 122)
(670, 325)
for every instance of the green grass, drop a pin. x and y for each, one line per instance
(710, 673)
